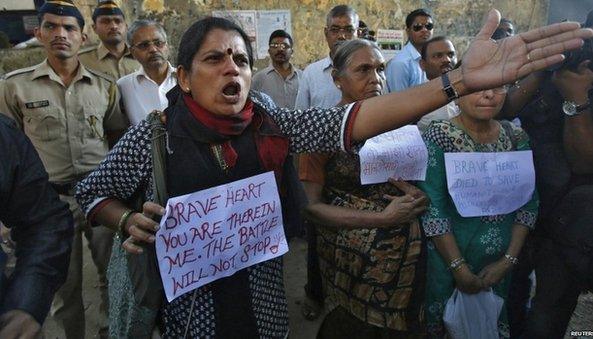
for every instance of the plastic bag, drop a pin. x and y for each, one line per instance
(473, 316)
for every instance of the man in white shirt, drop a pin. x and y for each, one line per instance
(403, 71)
(145, 90)
(316, 86)
(438, 57)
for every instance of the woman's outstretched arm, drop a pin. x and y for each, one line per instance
(486, 64)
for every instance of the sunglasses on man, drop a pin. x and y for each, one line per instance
(418, 27)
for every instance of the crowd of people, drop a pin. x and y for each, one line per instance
(94, 140)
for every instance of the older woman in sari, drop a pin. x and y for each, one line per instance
(369, 240)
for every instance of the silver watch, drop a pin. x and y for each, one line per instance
(570, 108)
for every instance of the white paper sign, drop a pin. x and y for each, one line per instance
(213, 233)
(391, 41)
(400, 153)
(482, 184)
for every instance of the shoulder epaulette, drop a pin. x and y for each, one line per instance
(101, 74)
(87, 49)
(19, 71)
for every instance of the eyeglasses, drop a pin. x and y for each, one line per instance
(281, 45)
(144, 45)
(348, 30)
(418, 27)
(501, 89)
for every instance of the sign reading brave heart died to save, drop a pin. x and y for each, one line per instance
(400, 153)
(482, 184)
(213, 233)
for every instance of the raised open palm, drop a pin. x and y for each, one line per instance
(488, 63)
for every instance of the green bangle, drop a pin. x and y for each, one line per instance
(124, 220)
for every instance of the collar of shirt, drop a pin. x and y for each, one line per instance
(271, 68)
(171, 72)
(326, 63)
(412, 51)
(103, 52)
(44, 69)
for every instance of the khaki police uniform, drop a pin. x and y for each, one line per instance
(68, 127)
(99, 58)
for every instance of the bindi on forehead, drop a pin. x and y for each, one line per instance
(229, 51)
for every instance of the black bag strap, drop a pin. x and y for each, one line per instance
(143, 268)
(159, 161)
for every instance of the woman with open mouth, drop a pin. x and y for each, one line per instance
(218, 132)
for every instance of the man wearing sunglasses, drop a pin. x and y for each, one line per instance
(404, 71)
(146, 89)
(280, 80)
(111, 56)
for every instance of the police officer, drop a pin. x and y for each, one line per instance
(71, 114)
(112, 56)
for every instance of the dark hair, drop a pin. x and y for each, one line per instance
(279, 33)
(414, 14)
(424, 49)
(342, 10)
(194, 36)
(345, 51)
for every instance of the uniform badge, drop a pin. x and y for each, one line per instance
(37, 104)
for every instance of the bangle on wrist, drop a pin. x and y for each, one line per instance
(511, 259)
(123, 220)
(456, 264)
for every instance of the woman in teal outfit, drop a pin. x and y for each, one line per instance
(477, 253)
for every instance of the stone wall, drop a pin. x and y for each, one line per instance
(460, 19)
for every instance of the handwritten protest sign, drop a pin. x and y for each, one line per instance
(213, 233)
(400, 153)
(489, 183)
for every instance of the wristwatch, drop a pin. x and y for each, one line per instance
(570, 108)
